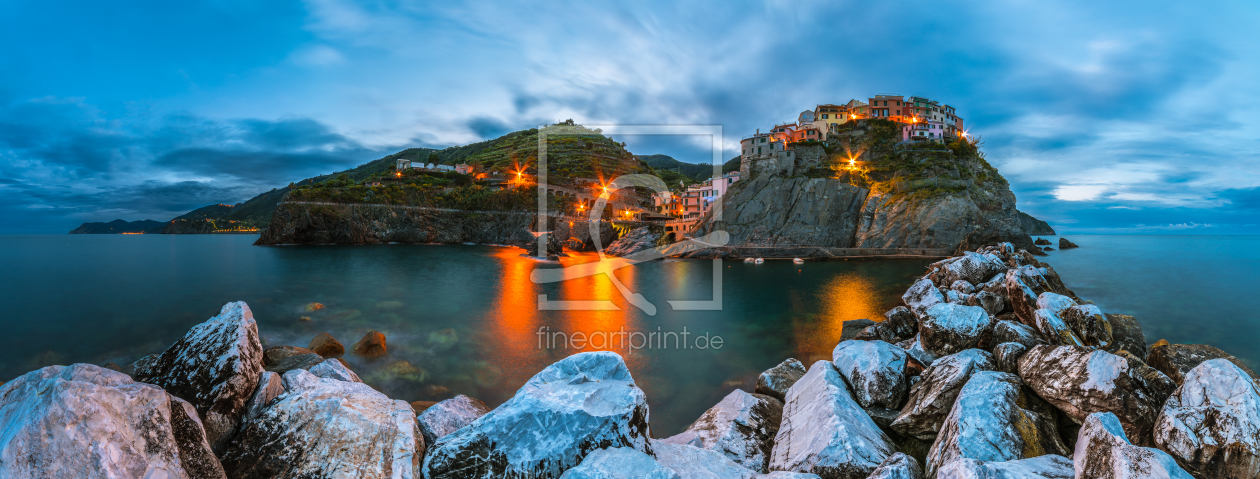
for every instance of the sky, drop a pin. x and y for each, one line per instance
(1105, 117)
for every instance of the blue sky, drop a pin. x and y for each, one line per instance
(1106, 117)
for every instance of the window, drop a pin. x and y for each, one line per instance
(824, 116)
(898, 112)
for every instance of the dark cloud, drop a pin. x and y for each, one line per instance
(487, 128)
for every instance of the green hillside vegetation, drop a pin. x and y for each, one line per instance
(119, 227)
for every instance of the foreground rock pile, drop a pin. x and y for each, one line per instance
(993, 368)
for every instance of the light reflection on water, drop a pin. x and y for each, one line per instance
(458, 319)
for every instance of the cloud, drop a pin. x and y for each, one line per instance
(317, 56)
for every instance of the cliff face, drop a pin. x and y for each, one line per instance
(304, 223)
(1034, 226)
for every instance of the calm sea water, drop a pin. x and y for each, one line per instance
(465, 319)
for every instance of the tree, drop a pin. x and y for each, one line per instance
(434, 158)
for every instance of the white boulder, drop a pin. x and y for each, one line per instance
(334, 369)
(1041, 467)
(584, 402)
(898, 466)
(691, 462)
(321, 427)
(774, 382)
(950, 328)
(825, 432)
(449, 416)
(1104, 452)
(85, 421)
(932, 398)
(875, 370)
(1211, 423)
(215, 366)
(619, 463)
(922, 295)
(741, 427)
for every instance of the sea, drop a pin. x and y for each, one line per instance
(474, 320)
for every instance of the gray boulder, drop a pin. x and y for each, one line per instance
(1081, 381)
(788, 475)
(971, 267)
(874, 370)
(950, 328)
(741, 427)
(1090, 325)
(1126, 335)
(932, 398)
(322, 427)
(449, 416)
(694, 462)
(1175, 360)
(995, 419)
(285, 364)
(1211, 423)
(584, 402)
(922, 295)
(334, 369)
(1048, 321)
(1016, 332)
(1041, 467)
(215, 366)
(1006, 356)
(825, 432)
(898, 466)
(901, 322)
(1104, 452)
(991, 302)
(853, 328)
(914, 348)
(619, 463)
(85, 421)
(774, 382)
(1023, 285)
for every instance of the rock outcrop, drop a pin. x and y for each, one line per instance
(634, 241)
(585, 402)
(932, 398)
(86, 421)
(1104, 452)
(825, 432)
(995, 420)
(1211, 423)
(776, 381)
(741, 427)
(215, 366)
(1081, 381)
(1065, 244)
(449, 416)
(874, 370)
(321, 427)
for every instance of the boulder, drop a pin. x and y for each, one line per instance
(901, 322)
(1090, 325)
(215, 366)
(448, 416)
(1175, 360)
(950, 328)
(334, 369)
(1006, 357)
(995, 419)
(1104, 452)
(825, 432)
(932, 398)
(874, 370)
(1041, 467)
(852, 328)
(421, 406)
(991, 302)
(788, 475)
(634, 241)
(327, 346)
(922, 295)
(1126, 335)
(971, 267)
(270, 385)
(1015, 332)
(878, 332)
(1065, 244)
(276, 354)
(1054, 329)
(1041, 242)
(584, 402)
(1054, 302)
(694, 462)
(774, 382)
(963, 287)
(1081, 381)
(1211, 423)
(914, 349)
(741, 427)
(321, 427)
(619, 463)
(85, 421)
(1023, 285)
(301, 361)
(898, 466)
(371, 346)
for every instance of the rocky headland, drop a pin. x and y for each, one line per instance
(991, 368)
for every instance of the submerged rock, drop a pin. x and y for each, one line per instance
(741, 427)
(1041, 467)
(85, 421)
(322, 427)
(584, 402)
(215, 366)
(445, 417)
(327, 346)
(694, 462)
(276, 354)
(1126, 335)
(898, 466)
(950, 328)
(774, 382)
(874, 370)
(825, 432)
(371, 346)
(1175, 360)
(932, 398)
(619, 463)
(1080, 381)
(1065, 244)
(995, 420)
(1104, 452)
(1211, 423)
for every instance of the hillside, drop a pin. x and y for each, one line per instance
(696, 171)
(119, 227)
